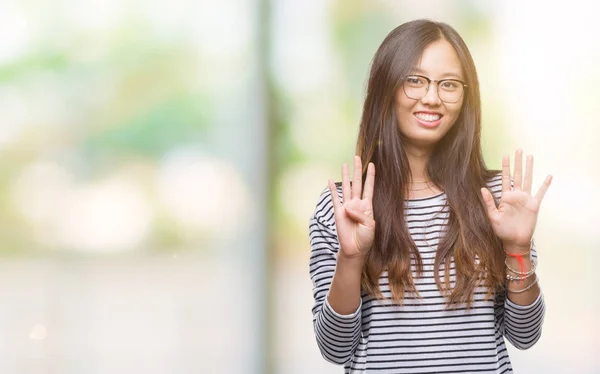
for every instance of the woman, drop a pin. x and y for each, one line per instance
(426, 266)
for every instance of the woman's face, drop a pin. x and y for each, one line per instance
(424, 122)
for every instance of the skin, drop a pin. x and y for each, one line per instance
(513, 220)
(439, 61)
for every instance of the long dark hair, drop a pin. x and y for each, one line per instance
(456, 165)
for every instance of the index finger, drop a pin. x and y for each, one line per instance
(357, 181)
(369, 184)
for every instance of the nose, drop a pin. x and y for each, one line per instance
(432, 97)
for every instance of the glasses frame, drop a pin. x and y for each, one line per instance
(438, 82)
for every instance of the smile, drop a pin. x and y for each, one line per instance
(428, 119)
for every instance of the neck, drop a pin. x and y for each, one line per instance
(418, 159)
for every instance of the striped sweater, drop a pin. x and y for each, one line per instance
(420, 336)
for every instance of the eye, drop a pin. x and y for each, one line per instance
(416, 81)
(450, 85)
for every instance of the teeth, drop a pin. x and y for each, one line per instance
(428, 117)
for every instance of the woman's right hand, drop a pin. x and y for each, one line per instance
(354, 218)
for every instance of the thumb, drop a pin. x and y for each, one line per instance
(361, 217)
(488, 200)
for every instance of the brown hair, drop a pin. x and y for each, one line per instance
(456, 165)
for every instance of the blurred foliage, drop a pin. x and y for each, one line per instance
(130, 94)
(128, 97)
(155, 130)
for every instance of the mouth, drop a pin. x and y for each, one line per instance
(428, 119)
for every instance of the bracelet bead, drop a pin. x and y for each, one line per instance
(524, 289)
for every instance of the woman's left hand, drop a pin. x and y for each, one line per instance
(515, 217)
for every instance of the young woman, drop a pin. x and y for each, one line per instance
(429, 264)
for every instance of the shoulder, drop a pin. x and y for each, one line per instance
(324, 209)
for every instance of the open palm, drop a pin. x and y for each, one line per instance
(354, 219)
(515, 217)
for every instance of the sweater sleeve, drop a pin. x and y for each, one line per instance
(337, 335)
(522, 324)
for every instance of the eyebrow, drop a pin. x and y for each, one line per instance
(444, 76)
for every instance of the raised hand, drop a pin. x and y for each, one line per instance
(516, 216)
(354, 218)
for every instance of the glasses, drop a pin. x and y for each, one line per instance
(449, 90)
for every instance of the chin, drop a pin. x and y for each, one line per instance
(425, 140)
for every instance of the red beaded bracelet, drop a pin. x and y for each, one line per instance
(519, 257)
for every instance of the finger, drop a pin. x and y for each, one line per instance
(369, 184)
(337, 204)
(346, 189)
(527, 182)
(518, 172)
(506, 174)
(357, 182)
(363, 218)
(539, 196)
(488, 200)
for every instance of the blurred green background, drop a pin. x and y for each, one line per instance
(159, 162)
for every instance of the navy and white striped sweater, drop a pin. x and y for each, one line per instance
(420, 336)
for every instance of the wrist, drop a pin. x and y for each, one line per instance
(517, 248)
(355, 262)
